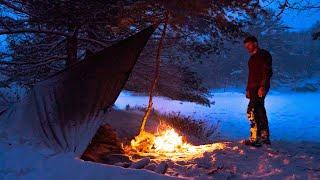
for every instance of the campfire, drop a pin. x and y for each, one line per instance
(167, 144)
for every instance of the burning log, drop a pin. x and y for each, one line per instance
(167, 145)
(140, 164)
(123, 164)
(151, 166)
(143, 142)
(115, 158)
(161, 168)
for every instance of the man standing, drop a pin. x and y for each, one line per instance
(260, 72)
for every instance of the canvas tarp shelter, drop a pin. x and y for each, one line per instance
(61, 112)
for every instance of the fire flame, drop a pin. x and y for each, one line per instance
(168, 145)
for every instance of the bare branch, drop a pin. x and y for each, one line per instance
(283, 8)
(95, 41)
(55, 46)
(21, 31)
(43, 62)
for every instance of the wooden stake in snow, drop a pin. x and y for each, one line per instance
(156, 76)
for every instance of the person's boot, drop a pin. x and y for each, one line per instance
(266, 142)
(253, 125)
(265, 137)
(249, 142)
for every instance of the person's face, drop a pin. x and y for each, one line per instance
(251, 46)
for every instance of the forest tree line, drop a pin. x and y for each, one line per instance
(202, 48)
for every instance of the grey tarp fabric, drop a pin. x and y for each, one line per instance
(62, 111)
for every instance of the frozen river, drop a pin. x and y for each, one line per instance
(292, 116)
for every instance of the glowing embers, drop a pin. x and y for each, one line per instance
(167, 144)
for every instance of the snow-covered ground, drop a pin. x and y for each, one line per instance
(237, 161)
(280, 161)
(18, 160)
(292, 116)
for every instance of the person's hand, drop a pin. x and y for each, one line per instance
(247, 94)
(261, 92)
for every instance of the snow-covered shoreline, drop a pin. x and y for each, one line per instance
(292, 116)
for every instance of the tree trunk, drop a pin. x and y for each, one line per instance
(72, 50)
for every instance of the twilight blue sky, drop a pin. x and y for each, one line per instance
(297, 20)
(301, 20)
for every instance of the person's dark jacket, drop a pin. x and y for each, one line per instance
(260, 70)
